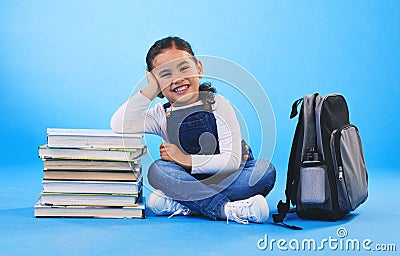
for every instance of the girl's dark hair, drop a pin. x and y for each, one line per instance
(177, 43)
(167, 43)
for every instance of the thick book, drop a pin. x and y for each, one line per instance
(88, 199)
(97, 187)
(135, 211)
(99, 175)
(50, 164)
(112, 154)
(91, 138)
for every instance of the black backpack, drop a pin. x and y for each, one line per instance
(327, 176)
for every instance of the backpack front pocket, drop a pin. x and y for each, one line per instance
(350, 170)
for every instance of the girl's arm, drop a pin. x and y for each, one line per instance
(229, 138)
(133, 116)
(129, 118)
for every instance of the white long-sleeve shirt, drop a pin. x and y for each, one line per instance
(135, 117)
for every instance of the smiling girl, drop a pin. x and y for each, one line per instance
(205, 166)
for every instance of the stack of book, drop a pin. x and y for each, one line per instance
(91, 173)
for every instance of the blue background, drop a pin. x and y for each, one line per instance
(72, 63)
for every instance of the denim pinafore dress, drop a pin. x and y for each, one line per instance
(194, 131)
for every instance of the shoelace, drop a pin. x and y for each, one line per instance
(183, 210)
(242, 208)
(236, 218)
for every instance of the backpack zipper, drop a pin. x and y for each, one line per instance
(340, 173)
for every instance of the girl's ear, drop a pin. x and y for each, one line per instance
(200, 69)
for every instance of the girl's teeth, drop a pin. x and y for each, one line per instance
(180, 88)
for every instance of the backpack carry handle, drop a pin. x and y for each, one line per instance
(295, 105)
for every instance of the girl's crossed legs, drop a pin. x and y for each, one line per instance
(207, 196)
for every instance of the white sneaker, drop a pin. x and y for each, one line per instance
(161, 204)
(254, 209)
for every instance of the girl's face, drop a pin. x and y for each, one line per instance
(178, 76)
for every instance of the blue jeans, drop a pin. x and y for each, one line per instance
(207, 196)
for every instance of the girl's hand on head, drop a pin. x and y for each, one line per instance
(152, 89)
(170, 152)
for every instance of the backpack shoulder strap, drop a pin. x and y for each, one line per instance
(283, 207)
(310, 131)
(305, 129)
